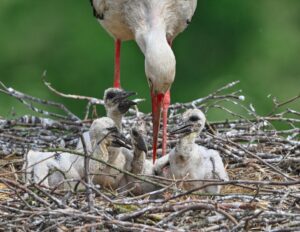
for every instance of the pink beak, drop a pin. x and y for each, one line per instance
(157, 102)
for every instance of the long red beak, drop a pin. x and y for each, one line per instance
(157, 102)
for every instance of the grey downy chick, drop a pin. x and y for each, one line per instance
(39, 165)
(138, 164)
(189, 160)
(116, 104)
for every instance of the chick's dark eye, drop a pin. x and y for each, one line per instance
(188, 21)
(134, 133)
(110, 95)
(194, 118)
(112, 129)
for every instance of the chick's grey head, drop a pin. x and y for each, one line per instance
(101, 128)
(193, 121)
(104, 130)
(116, 100)
(138, 140)
(195, 117)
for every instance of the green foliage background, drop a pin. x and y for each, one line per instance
(255, 41)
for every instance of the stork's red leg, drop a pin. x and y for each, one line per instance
(117, 82)
(167, 101)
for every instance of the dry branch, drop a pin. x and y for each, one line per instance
(263, 162)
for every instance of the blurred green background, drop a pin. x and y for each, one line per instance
(254, 41)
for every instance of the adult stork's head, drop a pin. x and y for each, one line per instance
(160, 69)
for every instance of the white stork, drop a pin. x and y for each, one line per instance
(153, 24)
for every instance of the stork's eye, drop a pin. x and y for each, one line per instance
(135, 133)
(194, 118)
(110, 95)
(188, 21)
(150, 83)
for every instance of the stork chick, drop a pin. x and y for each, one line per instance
(192, 161)
(112, 154)
(38, 165)
(116, 104)
(138, 165)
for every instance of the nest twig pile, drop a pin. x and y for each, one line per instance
(263, 163)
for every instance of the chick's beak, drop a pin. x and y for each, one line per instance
(120, 140)
(185, 129)
(123, 103)
(123, 95)
(141, 144)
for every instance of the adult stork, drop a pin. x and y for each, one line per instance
(153, 24)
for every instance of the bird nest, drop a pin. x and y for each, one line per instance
(261, 153)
